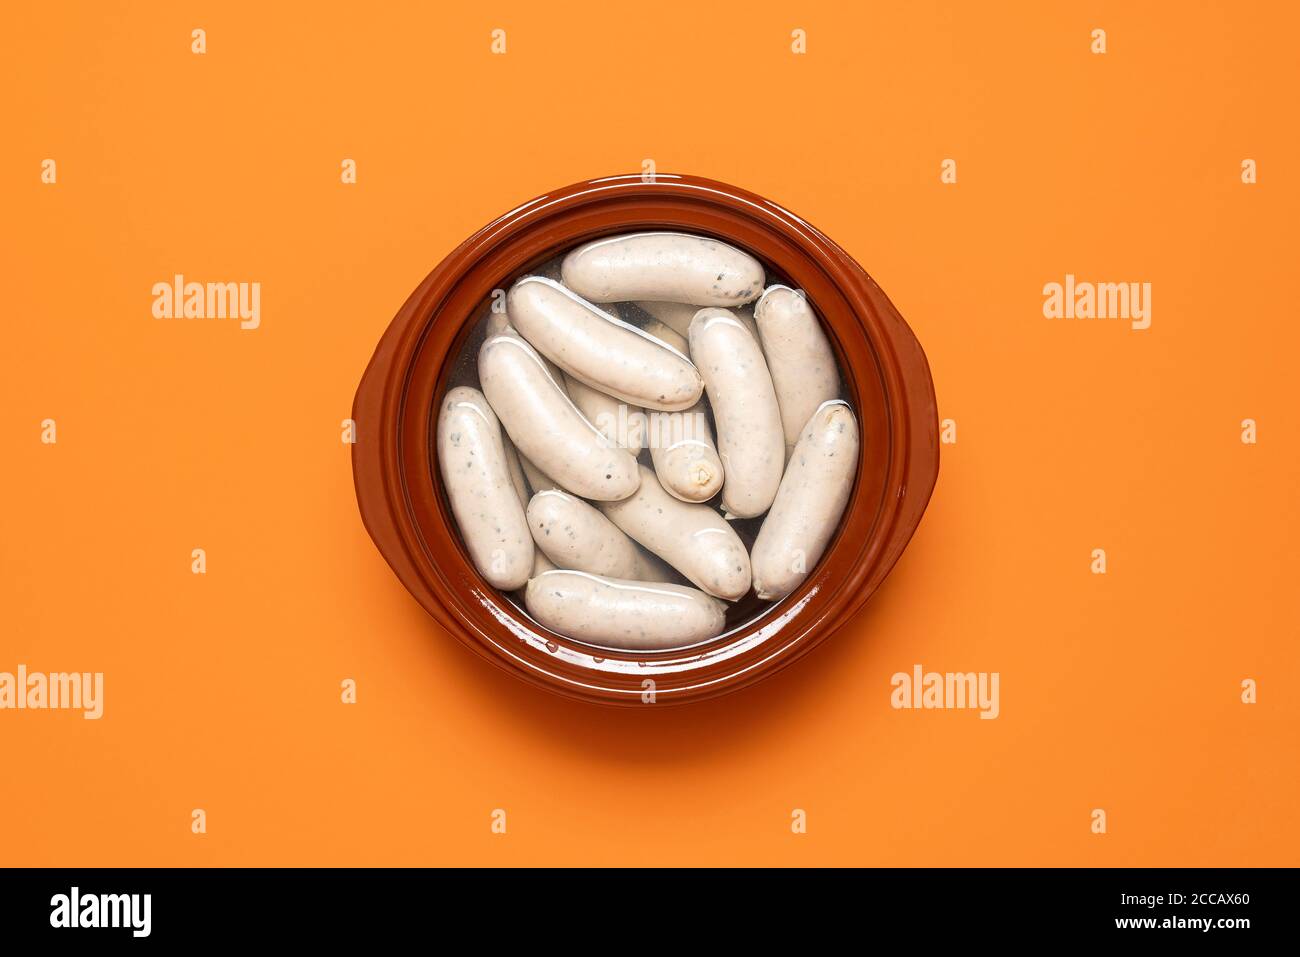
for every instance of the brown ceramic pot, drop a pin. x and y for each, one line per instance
(886, 379)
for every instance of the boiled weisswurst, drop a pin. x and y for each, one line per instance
(677, 316)
(666, 333)
(546, 426)
(751, 444)
(476, 477)
(516, 471)
(663, 267)
(498, 324)
(694, 539)
(621, 424)
(541, 563)
(798, 356)
(575, 535)
(809, 503)
(681, 443)
(615, 613)
(537, 479)
(603, 351)
(684, 454)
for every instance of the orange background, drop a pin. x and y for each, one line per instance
(1119, 692)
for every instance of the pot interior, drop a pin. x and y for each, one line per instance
(861, 386)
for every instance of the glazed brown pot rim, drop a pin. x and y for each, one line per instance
(405, 513)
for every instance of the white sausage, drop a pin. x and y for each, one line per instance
(546, 426)
(517, 478)
(606, 353)
(746, 315)
(621, 424)
(751, 444)
(677, 316)
(663, 267)
(541, 563)
(516, 471)
(615, 613)
(472, 461)
(575, 535)
(798, 356)
(694, 539)
(810, 502)
(684, 454)
(666, 333)
(537, 479)
(497, 325)
(650, 567)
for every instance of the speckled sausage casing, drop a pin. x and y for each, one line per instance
(684, 454)
(545, 425)
(516, 471)
(663, 267)
(541, 563)
(499, 324)
(677, 317)
(798, 356)
(601, 350)
(472, 460)
(694, 539)
(537, 479)
(666, 333)
(615, 613)
(809, 503)
(751, 443)
(619, 422)
(575, 535)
